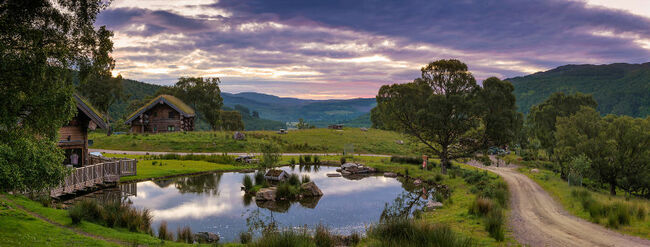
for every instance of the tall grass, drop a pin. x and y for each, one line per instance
(408, 232)
(184, 235)
(284, 239)
(112, 214)
(164, 233)
(615, 214)
(305, 179)
(293, 179)
(248, 182)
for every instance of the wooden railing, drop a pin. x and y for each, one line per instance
(92, 175)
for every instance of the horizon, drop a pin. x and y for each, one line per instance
(344, 50)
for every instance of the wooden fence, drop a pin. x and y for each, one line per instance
(97, 174)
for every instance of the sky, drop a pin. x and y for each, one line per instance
(348, 49)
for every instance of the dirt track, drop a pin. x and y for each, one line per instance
(537, 220)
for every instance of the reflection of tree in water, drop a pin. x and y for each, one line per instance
(208, 183)
(257, 222)
(411, 201)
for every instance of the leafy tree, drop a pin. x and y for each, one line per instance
(304, 125)
(439, 109)
(231, 120)
(270, 154)
(41, 42)
(375, 118)
(203, 94)
(500, 117)
(616, 146)
(542, 117)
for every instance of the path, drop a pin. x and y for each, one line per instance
(537, 220)
(219, 153)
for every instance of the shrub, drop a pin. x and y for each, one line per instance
(293, 179)
(76, 214)
(163, 233)
(245, 237)
(494, 224)
(406, 160)
(343, 160)
(89, 210)
(286, 191)
(292, 161)
(323, 237)
(407, 232)
(305, 179)
(481, 206)
(308, 159)
(438, 178)
(184, 235)
(248, 182)
(316, 159)
(259, 177)
(283, 239)
(301, 160)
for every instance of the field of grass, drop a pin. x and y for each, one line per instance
(565, 195)
(296, 141)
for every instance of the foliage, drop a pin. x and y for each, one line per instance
(248, 182)
(184, 235)
(304, 125)
(164, 233)
(245, 237)
(500, 117)
(305, 179)
(408, 232)
(443, 110)
(203, 94)
(406, 160)
(294, 179)
(42, 42)
(620, 89)
(231, 121)
(617, 148)
(343, 160)
(542, 118)
(259, 177)
(111, 214)
(270, 155)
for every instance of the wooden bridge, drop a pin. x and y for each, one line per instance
(86, 177)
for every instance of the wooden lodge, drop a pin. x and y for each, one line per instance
(276, 175)
(335, 126)
(73, 137)
(165, 113)
(87, 171)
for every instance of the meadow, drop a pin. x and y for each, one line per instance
(372, 141)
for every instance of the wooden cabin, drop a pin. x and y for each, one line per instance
(335, 126)
(73, 137)
(276, 175)
(165, 113)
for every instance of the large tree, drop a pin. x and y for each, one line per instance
(231, 120)
(542, 117)
(500, 118)
(203, 94)
(41, 43)
(439, 109)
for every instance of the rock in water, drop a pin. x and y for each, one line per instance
(206, 237)
(310, 189)
(390, 174)
(266, 194)
(333, 175)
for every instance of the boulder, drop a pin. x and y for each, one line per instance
(349, 165)
(238, 136)
(206, 237)
(266, 194)
(390, 174)
(338, 169)
(364, 129)
(310, 189)
(534, 170)
(345, 173)
(333, 175)
(417, 182)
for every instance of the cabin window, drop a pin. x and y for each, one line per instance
(170, 128)
(172, 114)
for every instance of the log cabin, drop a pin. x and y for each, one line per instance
(73, 137)
(164, 113)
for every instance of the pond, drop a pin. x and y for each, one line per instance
(215, 203)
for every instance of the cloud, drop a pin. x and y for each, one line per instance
(350, 48)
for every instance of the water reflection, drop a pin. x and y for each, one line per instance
(215, 202)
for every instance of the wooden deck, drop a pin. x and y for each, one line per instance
(86, 177)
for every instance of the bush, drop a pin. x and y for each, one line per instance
(343, 160)
(245, 237)
(163, 233)
(305, 179)
(76, 214)
(308, 159)
(406, 160)
(494, 224)
(292, 161)
(259, 177)
(248, 182)
(184, 235)
(316, 159)
(301, 160)
(293, 179)
(438, 178)
(407, 232)
(286, 191)
(481, 206)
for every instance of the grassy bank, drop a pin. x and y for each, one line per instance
(625, 215)
(296, 141)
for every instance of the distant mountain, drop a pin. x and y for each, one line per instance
(273, 111)
(622, 89)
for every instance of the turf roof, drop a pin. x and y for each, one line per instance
(172, 101)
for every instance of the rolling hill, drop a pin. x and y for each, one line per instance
(621, 89)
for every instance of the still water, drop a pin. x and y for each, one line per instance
(215, 203)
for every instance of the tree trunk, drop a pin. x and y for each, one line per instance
(443, 160)
(612, 188)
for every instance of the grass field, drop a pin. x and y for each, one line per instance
(562, 192)
(296, 141)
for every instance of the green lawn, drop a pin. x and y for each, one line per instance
(561, 192)
(299, 141)
(18, 228)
